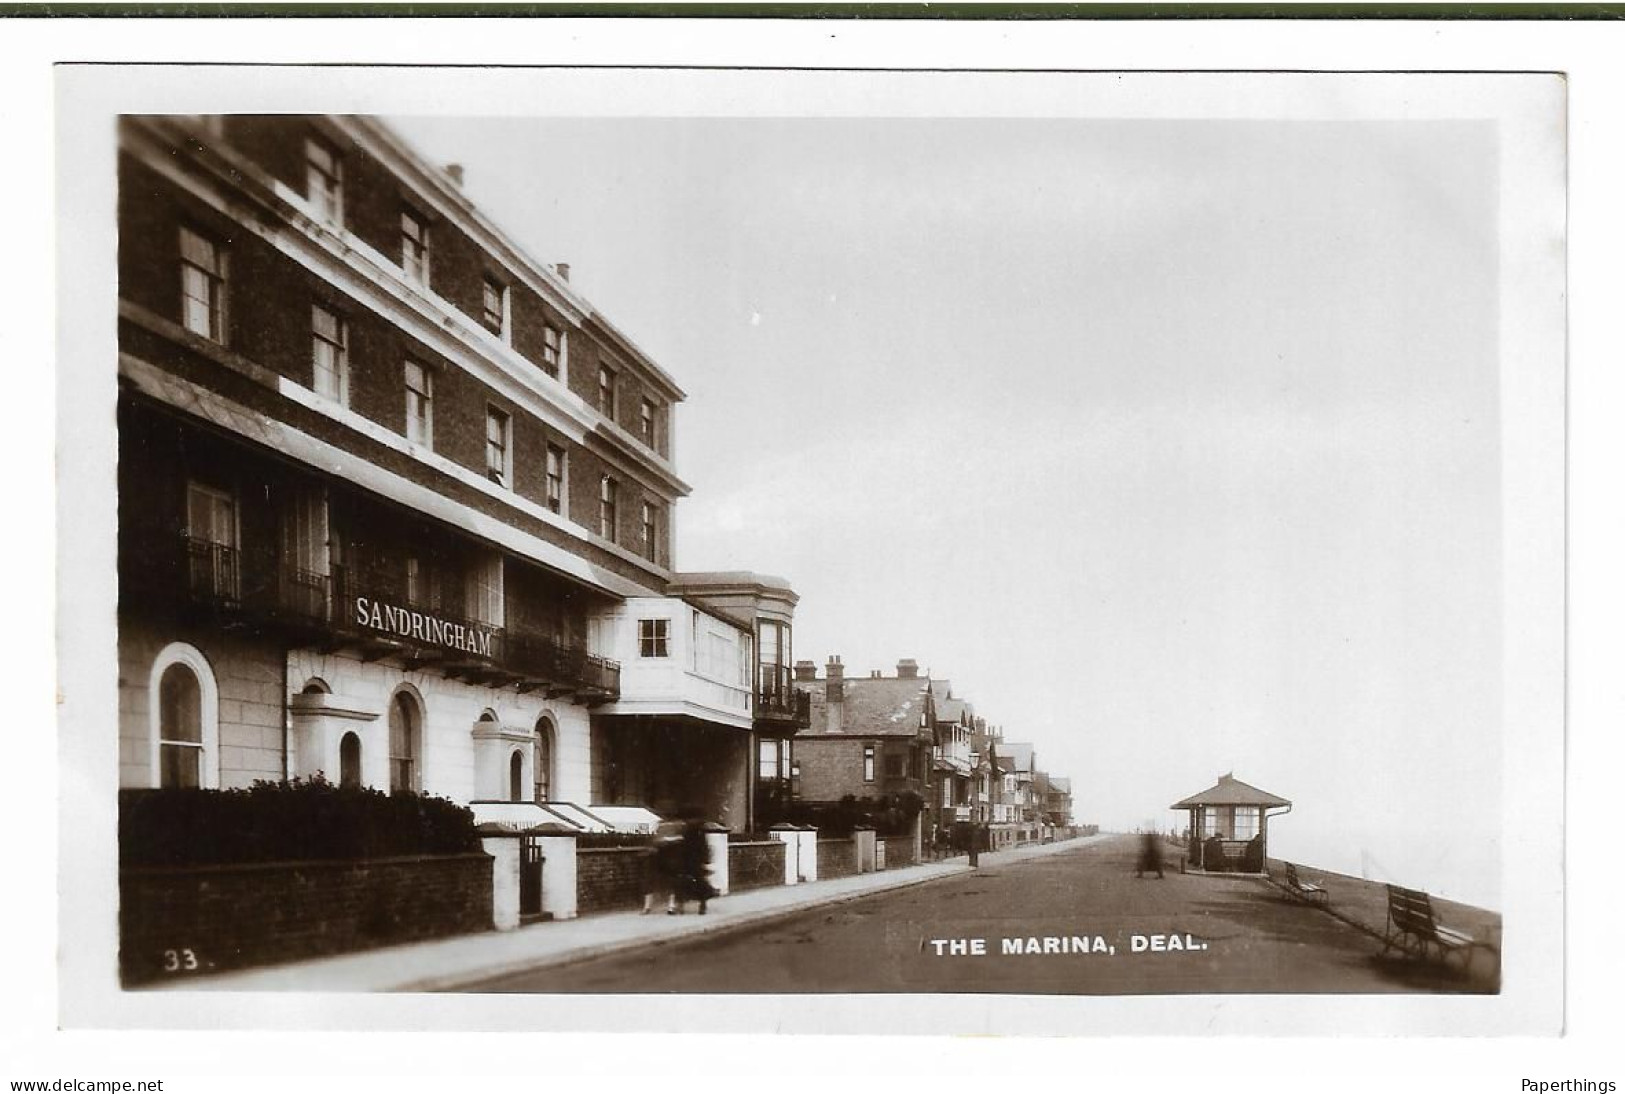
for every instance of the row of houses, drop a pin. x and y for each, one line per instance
(908, 738)
(396, 506)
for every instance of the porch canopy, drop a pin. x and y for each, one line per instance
(1228, 823)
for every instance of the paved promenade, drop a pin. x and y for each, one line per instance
(1364, 904)
(871, 933)
(1017, 925)
(449, 963)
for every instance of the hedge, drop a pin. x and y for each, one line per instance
(292, 821)
(889, 815)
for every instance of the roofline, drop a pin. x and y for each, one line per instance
(723, 582)
(509, 248)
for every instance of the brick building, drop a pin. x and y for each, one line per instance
(396, 502)
(868, 737)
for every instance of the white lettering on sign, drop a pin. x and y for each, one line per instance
(428, 629)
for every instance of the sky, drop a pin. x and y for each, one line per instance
(1173, 444)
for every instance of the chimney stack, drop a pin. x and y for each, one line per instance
(563, 270)
(806, 671)
(455, 170)
(908, 669)
(834, 695)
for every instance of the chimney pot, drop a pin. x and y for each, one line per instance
(563, 269)
(834, 695)
(455, 170)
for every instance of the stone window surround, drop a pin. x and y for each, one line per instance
(183, 653)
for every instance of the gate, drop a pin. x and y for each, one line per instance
(530, 877)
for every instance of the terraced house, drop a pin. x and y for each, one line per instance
(397, 502)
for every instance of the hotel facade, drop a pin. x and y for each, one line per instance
(396, 502)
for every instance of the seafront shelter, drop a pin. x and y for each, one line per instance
(1228, 827)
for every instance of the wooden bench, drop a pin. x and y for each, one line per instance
(1414, 929)
(1307, 890)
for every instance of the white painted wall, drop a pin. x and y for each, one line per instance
(707, 671)
(452, 709)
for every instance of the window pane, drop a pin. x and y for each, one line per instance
(199, 251)
(180, 706)
(180, 767)
(210, 515)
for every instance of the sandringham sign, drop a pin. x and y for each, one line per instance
(419, 627)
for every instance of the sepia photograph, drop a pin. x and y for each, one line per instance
(646, 534)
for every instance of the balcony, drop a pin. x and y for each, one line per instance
(369, 612)
(779, 703)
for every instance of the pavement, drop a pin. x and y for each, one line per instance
(1017, 925)
(457, 962)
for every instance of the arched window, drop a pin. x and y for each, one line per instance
(184, 713)
(544, 760)
(405, 743)
(350, 761)
(516, 776)
(180, 729)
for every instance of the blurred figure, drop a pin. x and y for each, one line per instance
(661, 866)
(694, 858)
(1150, 856)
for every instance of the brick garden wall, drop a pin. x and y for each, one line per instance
(900, 852)
(185, 921)
(755, 865)
(837, 858)
(610, 878)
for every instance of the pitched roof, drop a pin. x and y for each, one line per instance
(950, 710)
(1020, 753)
(1230, 791)
(872, 706)
(1060, 784)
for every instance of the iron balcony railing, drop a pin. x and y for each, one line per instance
(258, 586)
(779, 699)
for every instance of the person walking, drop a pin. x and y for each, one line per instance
(1150, 856)
(694, 854)
(660, 868)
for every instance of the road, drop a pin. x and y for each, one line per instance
(1233, 935)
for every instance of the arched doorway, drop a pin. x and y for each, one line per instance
(350, 761)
